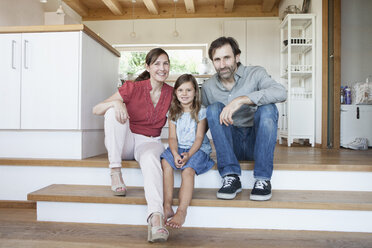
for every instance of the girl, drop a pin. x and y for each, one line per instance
(189, 147)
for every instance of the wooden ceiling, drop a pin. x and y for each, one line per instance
(152, 9)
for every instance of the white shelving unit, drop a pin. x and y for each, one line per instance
(297, 69)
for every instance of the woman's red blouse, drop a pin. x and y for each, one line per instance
(143, 117)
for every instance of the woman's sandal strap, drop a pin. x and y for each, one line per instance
(117, 186)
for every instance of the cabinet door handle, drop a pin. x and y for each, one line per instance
(26, 55)
(13, 53)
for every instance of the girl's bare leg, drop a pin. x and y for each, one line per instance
(168, 184)
(185, 196)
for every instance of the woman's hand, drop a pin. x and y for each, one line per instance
(121, 112)
(178, 161)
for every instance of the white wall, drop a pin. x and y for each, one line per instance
(71, 17)
(21, 13)
(356, 41)
(158, 31)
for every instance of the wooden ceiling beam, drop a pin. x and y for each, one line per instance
(78, 6)
(228, 6)
(152, 6)
(190, 6)
(268, 5)
(165, 12)
(114, 6)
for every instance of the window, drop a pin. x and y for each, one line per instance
(183, 59)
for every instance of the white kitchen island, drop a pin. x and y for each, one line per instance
(50, 79)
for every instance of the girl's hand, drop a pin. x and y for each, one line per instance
(121, 112)
(178, 161)
(185, 158)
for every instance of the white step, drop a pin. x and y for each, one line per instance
(17, 181)
(287, 210)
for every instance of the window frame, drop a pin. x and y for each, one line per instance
(167, 47)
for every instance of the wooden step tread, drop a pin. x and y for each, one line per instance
(285, 158)
(292, 199)
(19, 228)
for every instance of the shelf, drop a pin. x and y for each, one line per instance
(297, 74)
(297, 51)
(298, 48)
(297, 97)
(298, 21)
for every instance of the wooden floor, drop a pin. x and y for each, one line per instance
(19, 229)
(285, 158)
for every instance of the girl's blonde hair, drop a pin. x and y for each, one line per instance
(175, 110)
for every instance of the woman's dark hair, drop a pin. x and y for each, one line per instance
(151, 57)
(175, 110)
(221, 42)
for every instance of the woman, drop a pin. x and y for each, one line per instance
(134, 117)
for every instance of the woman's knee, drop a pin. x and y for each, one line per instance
(110, 113)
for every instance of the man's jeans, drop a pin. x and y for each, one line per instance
(245, 143)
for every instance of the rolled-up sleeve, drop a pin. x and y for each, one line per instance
(268, 90)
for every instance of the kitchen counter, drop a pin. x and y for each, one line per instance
(59, 28)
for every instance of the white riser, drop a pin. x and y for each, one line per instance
(17, 181)
(51, 144)
(253, 218)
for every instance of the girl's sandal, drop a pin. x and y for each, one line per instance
(157, 233)
(115, 188)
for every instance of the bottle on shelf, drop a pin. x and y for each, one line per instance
(347, 91)
(342, 95)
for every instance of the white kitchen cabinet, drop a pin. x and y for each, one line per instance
(10, 81)
(49, 83)
(50, 80)
(39, 80)
(297, 68)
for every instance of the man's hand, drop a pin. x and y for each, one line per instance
(228, 111)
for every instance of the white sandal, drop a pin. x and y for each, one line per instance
(153, 234)
(115, 188)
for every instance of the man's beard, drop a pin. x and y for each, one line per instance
(227, 74)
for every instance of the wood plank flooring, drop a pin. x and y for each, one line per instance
(19, 229)
(292, 199)
(285, 158)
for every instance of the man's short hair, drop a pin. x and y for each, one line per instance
(221, 42)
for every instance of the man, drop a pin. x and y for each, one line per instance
(242, 117)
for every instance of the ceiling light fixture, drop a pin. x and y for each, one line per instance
(60, 10)
(133, 34)
(175, 33)
(43, 1)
